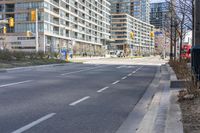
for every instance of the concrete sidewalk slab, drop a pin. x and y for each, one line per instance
(174, 116)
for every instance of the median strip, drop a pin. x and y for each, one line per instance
(78, 101)
(16, 83)
(102, 89)
(25, 128)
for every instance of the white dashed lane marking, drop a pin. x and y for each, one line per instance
(34, 123)
(115, 82)
(103, 89)
(80, 100)
(16, 83)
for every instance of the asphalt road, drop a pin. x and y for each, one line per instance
(73, 98)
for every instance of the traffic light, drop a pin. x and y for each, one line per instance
(28, 33)
(4, 30)
(33, 15)
(11, 22)
(151, 34)
(132, 35)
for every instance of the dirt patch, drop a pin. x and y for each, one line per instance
(191, 115)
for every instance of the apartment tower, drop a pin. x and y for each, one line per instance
(81, 26)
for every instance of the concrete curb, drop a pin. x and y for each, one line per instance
(146, 126)
(131, 124)
(21, 69)
(161, 117)
(154, 119)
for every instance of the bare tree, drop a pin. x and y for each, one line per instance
(182, 19)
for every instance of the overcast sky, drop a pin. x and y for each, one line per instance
(157, 1)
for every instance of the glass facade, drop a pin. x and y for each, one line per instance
(139, 9)
(158, 14)
(84, 21)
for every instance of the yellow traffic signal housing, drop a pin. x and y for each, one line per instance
(152, 34)
(11, 22)
(28, 33)
(33, 15)
(4, 30)
(132, 35)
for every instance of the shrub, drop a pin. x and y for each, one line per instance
(183, 72)
(5, 55)
(19, 56)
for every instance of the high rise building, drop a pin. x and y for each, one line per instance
(130, 27)
(139, 9)
(158, 14)
(81, 25)
(132, 36)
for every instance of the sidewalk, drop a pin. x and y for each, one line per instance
(164, 114)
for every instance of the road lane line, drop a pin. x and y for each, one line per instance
(83, 70)
(124, 77)
(130, 74)
(16, 83)
(134, 72)
(102, 89)
(78, 101)
(115, 82)
(25, 128)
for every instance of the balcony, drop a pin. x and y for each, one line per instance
(55, 2)
(56, 10)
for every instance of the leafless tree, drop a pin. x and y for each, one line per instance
(181, 14)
